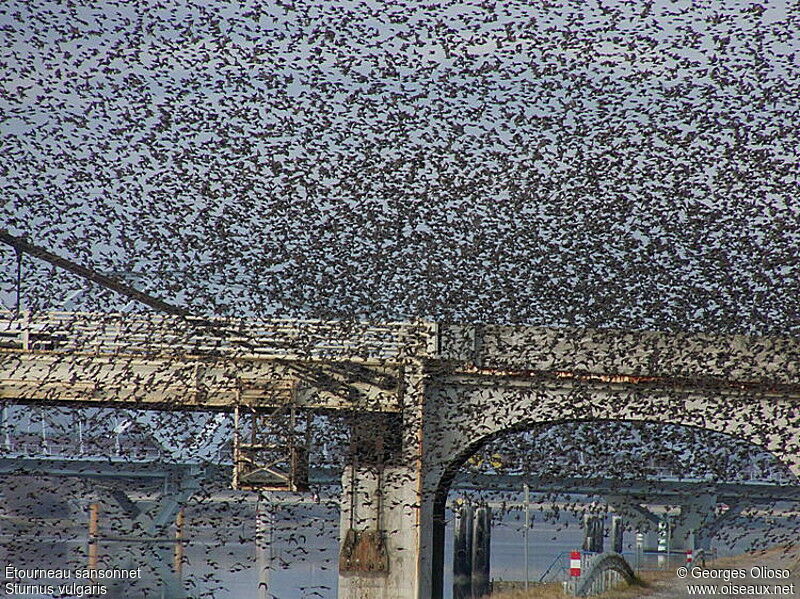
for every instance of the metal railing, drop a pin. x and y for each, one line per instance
(600, 573)
(552, 571)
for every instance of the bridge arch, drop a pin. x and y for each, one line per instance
(468, 414)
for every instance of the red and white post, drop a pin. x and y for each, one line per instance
(689, 557)
(574, 564)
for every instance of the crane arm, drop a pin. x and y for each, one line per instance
(25, 247)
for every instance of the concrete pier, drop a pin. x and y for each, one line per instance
(462, 552)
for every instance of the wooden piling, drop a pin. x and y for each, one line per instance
(180, 522)
(94, 535)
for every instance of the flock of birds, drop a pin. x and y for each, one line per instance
(596, 164)
(590, 164)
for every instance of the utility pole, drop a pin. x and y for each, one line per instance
(527, 490)
(19, 283)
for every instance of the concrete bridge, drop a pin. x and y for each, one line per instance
(422, 398)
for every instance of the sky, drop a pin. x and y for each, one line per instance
(625, 164)
(601, 164)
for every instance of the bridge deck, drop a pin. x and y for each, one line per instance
(175, 362)
(159, 335)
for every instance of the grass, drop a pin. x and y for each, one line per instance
(643, 587)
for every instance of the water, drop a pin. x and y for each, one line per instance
(221, 559)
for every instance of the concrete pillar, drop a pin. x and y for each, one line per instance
(171, 584)
(640, 518)
(704, 534)
(695, 514)
(402, 522)
(702, 539)
(682, 539)
(617, 530)
(593, 527)
(650, 542)
(462, 553)
(387, 502)
(481, 552)
(5, 428)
